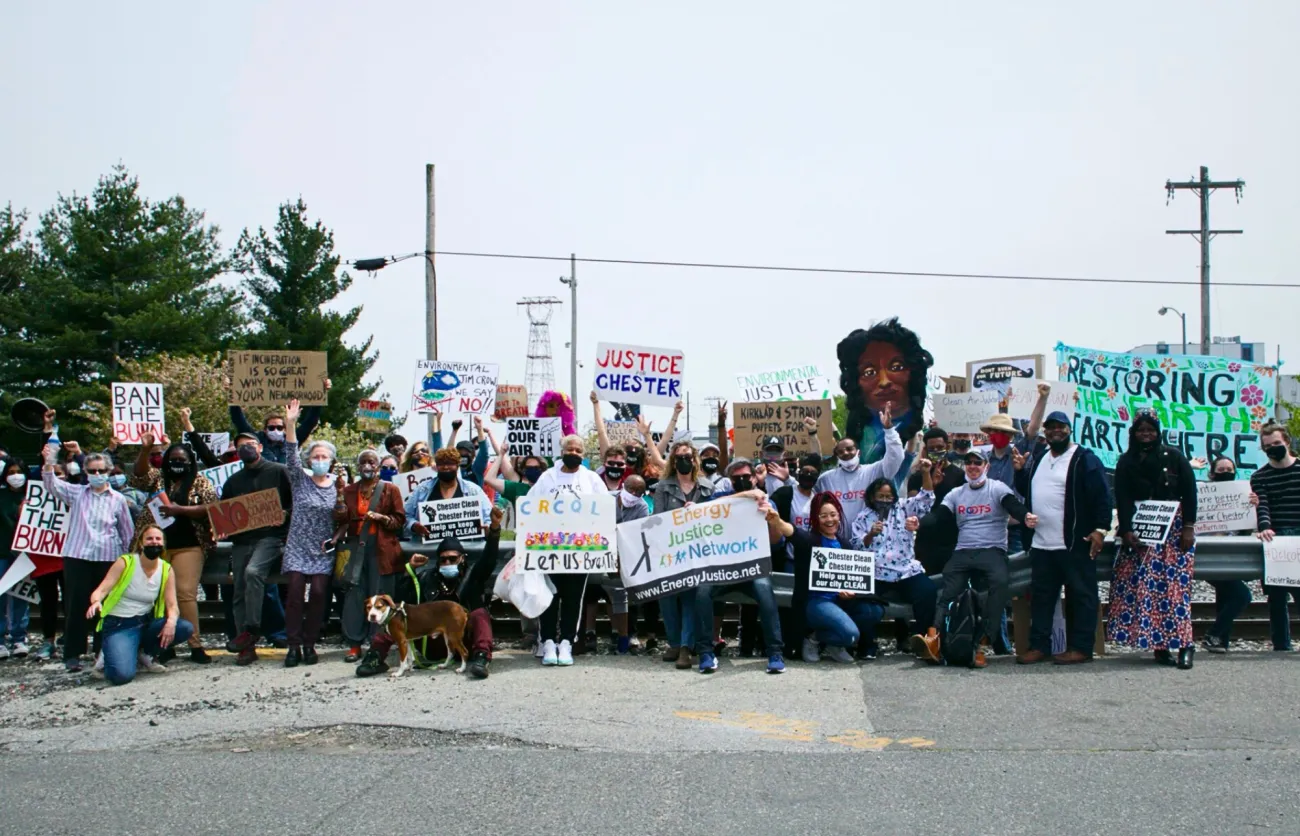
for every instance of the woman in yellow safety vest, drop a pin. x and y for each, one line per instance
(137, 610)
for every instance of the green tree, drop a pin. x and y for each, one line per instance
(291, 276)
(114, 277)
(839, 412)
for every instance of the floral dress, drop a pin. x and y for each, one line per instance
(201, 493)
(895, 547)
(311, 523)
(1151, 595)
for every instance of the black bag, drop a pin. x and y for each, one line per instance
(352, 552)
(959, 624)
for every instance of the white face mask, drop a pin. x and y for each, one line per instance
(849, 466)
(16, 480)
(978, 480)
(629, 500)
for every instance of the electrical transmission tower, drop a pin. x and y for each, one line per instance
(539, 374)
(1203, 188)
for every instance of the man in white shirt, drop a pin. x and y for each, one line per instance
(849, 480)
(1065, 487)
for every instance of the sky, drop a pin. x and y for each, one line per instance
(1007, 138)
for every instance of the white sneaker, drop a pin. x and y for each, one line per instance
(810, 653)
(21, 649)
(838, 654)
(4, 652)
(148, 664)
(548, 653)
(97, 670)
(566, 653)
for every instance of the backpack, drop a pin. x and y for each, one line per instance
(959, 624)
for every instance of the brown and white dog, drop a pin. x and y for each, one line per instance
(433, 619)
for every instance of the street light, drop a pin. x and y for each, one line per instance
(1182, 316)
(572, 281)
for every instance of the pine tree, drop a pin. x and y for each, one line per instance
(291, 276)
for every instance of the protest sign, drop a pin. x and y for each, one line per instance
(374, 416)
(407, 482)
(18, 571)
(27, 590)
(755, 422)
(996, 373)
(460, 517)
(1224, 507)
(1282, 561)
(841, 570)
(512, 402)
(43, 522)
(218, 443)
(1022, 397)
(1207, 406)
(966, 412)
(1152, 520)
(623, 432)
(260, 509)
(154, 505)
(445, 386)
(720, 542)
(640, 375)
(273, 378)
(792, 383)
(534, 436)
(566, 533)
(219, 474)
(137, 409)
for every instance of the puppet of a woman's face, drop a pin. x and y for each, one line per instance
(552, 409)
(883, 376)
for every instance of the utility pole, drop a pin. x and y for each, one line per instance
(430, 282)
(572, 282)
(1204, 187)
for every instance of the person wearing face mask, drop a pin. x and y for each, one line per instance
(418, 456)
(189, 536)
(615, 468)
(100, 530)
(979, 510)
(14, 612)
(1065, 486)
(512, 480)
(684, 486)
(1230, 597)
(255, 553)
(377, 505)
(1151, 585)
(631, 506)
(1277, 484)
(448, 485)
(1009, 444)
(848, 481)
(272, 435)
(395, 445)
(137, 613)
(135, 498)
(711, 463)
(794, 502)
(388, 468)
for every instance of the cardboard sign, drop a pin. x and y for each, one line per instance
(1022, 397)
(534, 436)
(260, 509)
(374, 416)
(842, 570)
(273, 378)
(512, 402)
(966, 412)
(1224, 507)
(996, 373)
(566, 533)
(721, 542)
(218, 443)
(461, 517)
(792, 383)
(623, 433)
(1282, 561)
(1207, 406)
(755, 422)
(43, 522)
(156, 502)
(137, 409)
(640, 375)
(407, 482)
(1152, 521)
(443, 386)
(17, 572)
(219, 474)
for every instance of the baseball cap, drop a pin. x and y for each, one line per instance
(975, 453)
(249, 436)
(1058, 417)
(773, 441)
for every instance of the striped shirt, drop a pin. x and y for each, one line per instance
(1278, 489)
(101, 527)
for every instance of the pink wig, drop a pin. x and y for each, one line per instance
(563, 409)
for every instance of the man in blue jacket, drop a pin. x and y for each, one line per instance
(1066, 489)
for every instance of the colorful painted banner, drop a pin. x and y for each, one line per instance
(461, 517)
(512, 402)
(1207, 406)
(792, 383)
(566, 533)
(965, 413)
(43, 522)
(273, 378)
(374, 416)
(1282, 561)
(467, 388)
(635, 374)
(137, 409)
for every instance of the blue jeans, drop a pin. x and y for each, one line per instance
(760, 589)
(678, 613)
(841, 623)
(1279, 619)
(125, 638)
(14, 613)
(1231, 598)
(272, 613)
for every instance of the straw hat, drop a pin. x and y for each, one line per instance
(999, 423)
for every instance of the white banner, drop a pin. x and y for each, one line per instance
(1224, 506)
(534, 436)
(461, 517)
(640, 375)
(218, 443)
(996, 373)
(722, 542)
(407, 482)
(842, 570)
(791, 383)
(966, 412)
(1152, 521)
(444, 386)
(219, 474)
(1022, 397)
(137, 409)
(1282, 561)
(566, 533)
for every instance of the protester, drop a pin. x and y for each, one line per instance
(48, 573)
(1150, 589)
(980, 510)
(1065, 487)
(272, 435)
(631, 506)
(848, 481)
(14, 612)
(515, 480)
(777, 475)
(376, 505)
(388, 466)
(395, 445)
(255, 553)
(188, 538)
(615, 468)
(945, 475)
(1230, 597)
(137, 609)
(418, 456)
(1277, 484)
(135, 498)
(794, 503)
(685, 486)
(711, 461)
(884, 364)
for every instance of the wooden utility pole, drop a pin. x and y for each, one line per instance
(1204, 187)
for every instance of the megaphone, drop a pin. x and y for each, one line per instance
(28, 415)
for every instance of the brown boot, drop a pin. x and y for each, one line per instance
(684, 659)
(980, 660)
(926, 647)
(671, 653)
(1033, 657)
(1071, 657)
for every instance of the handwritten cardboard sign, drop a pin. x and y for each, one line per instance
(407, 482)
(623, 433)
(512, 402)
(755, 422)
(137, 409)
(260, 509)
(842, 570)
(1282, 562)
(1152, 520)
(461, 517)
(965, 412)
(534, 436)
(1223, 507)
(374, 416)
(1022, 397)
(445, 386)
(640, 375)
(791, 383)
(566, 533)
(273, 378)
(43, 522)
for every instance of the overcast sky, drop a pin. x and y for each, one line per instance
(1015, 138)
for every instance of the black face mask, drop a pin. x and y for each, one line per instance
(614, 471)
(807, 480)
(1059, 446)
(1146, 446)
(446, 477)
(1223, 477)
(1276, 452)
(883, 508)
(634, 457)
(571, 460)
(152, 552)
(683, 465)
(742, 483)
(464, 464)
(709, 465)
(177, 468)
(532, 474)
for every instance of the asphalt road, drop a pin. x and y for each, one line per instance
(632, 746)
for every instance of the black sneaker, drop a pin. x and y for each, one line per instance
(293, 658)
(199, 656)
(1213, 645)
(371, 664)
(478, 665)
(166, 655)
(309, 656)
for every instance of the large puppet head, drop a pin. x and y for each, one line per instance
(884, 364)
(557, 405)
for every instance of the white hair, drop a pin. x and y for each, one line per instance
(576, 439)
(333, 451)
(373, 452)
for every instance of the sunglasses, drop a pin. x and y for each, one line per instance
(96, 472)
